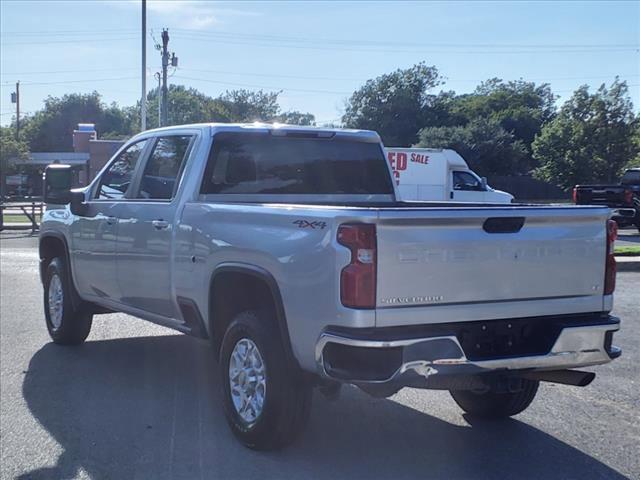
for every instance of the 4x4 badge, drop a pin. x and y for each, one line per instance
(307, 224)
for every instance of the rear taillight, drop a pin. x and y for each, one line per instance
(575, 195)
(628, 197)
(610, 266)
(358, 279)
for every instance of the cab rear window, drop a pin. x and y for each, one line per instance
(249, 163)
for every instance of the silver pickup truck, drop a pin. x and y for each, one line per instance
(285, 247)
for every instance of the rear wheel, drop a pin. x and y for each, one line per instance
(491, 404)
(67, 324)
(266, 404)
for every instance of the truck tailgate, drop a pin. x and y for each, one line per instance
(473, 259)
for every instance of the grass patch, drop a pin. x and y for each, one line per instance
(18, 219)
(625, 251)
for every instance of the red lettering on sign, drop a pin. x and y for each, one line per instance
(401, 164)
(419, 158)
(392, 160)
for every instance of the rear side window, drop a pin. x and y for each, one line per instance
(161, 172)
(245, 163)
(116, 179)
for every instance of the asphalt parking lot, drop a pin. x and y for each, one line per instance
(628, 237)
(139, 401)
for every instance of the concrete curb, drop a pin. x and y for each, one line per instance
(628, 264)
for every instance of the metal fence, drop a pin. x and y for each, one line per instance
(21, 214)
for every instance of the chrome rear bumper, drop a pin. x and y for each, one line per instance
(626, 213)
(575, 346)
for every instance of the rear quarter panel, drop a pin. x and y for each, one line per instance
(302, 256)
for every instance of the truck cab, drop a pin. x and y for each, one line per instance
(431, 174)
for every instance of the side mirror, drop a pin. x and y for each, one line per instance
(484, 183)
(78, 205)
(57, 184)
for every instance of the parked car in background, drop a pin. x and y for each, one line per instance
(288, 249)
(623, 198)
(439, 175)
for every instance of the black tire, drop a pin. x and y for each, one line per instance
(287, 396)
(74, 324)
(496, 405)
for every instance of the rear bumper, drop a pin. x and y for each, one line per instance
(624, 213)
(408, 355)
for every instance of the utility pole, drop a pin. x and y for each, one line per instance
(165, 65)
(159, 78)
(167, 60)
(15, 98)
(143, 99)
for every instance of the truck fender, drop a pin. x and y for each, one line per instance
(58, 237)
(271, 283)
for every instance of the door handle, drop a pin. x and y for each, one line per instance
(111, 220)
(160, 224)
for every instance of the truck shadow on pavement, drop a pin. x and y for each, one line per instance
(149, 408)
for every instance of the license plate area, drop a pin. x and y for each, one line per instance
(507, 338)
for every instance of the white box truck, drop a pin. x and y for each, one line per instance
(437, 175)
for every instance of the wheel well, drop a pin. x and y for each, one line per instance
(233, 292)
(50, 247)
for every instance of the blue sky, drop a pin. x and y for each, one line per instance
(316, 52)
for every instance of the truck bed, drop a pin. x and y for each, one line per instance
(441, 261)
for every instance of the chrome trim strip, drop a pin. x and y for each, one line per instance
(579, 346)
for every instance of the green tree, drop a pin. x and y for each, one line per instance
(487, 147)
(250, 106)
(520, 107)
(51, 129)
(396, 105)
(12, 153)
(591, 139)
(185, 105)
(188, 105)
(296, 118)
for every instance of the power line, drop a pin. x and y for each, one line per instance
(395, 50)
(361, 79)
(80, 81)
(253, 74)
(48, 33)
(323, 41)
(262, 86)
(66, 71)
(75, 40)
(304, 77)
(574, 89)
(342, 42)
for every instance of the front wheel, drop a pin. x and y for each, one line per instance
(67, 325)
(491, 404)
(266, 404)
